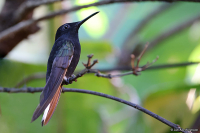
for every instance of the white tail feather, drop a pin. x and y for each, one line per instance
(45, 113)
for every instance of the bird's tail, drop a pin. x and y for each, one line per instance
(51, 107)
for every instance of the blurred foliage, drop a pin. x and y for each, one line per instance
(99, 49)
(163, 92)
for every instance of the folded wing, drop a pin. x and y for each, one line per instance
(51, 93)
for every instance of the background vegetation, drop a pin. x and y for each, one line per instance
(172, 93)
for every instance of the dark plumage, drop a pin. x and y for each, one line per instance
(62, 62)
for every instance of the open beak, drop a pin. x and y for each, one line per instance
(81, 22)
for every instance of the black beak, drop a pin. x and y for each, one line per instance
(81, 22)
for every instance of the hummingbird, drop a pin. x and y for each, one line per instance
(62, 62)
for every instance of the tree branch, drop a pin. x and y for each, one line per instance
(14, 12)
(14, 30)
(161, 119)
(30, 5)
(98, 74)
(135, 68)
(155, 67)
(123, 68)
(130, 69)
(8, 20)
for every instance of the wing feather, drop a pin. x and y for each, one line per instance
(52, 106)
(54, 82)
(52, 89)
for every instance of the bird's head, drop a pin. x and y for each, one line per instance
(71, 29)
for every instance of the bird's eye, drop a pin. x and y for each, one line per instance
(66, 26)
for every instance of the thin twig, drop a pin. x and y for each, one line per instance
(29, 5)
(124, 68)
(36, 3)
(155, 67)
(135, 69)
(161, 119)
(88, 65)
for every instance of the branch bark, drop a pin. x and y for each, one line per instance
(7, 20)
(30, 5)
(135, 68)
(155, 67)
(14, 12)
(123, 68)
(161, 119)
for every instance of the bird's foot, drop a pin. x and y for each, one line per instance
(73, 76)
(69, 80)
